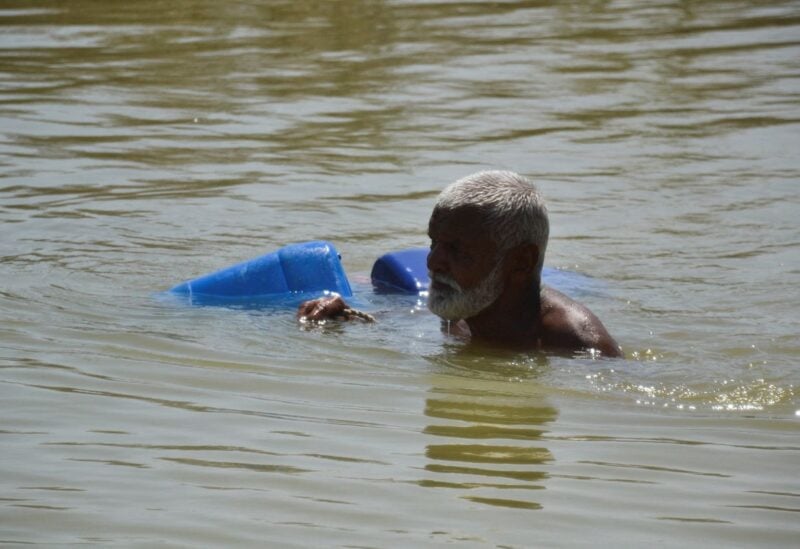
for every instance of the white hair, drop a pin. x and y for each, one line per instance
(513, 210)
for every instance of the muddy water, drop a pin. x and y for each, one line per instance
(148, 142)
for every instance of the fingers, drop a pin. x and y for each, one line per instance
(328, 307)
(305, 309)
(350, 314)
(321, 309)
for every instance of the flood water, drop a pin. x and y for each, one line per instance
(144, 143)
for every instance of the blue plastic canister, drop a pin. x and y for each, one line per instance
(305, 268)
(405, 271)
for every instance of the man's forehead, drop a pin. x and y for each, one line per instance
(466, 219)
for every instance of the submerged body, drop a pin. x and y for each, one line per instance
(564, 326)
(488, 237)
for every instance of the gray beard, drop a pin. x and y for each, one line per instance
(454, 303)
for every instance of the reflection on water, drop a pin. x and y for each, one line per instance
(488, 430)
(477, 466)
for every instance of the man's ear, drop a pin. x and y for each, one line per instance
(522, 260)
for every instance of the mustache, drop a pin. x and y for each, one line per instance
(445, 280)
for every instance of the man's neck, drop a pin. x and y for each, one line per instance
(514, 319)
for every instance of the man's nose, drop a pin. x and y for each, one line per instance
(435, 259)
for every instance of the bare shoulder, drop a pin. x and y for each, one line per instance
(567, 324)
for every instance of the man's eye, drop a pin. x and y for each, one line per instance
(451, 247)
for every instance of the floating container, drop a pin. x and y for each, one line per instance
(405, 271)
(304, 270)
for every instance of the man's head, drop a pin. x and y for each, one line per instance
(477, 225)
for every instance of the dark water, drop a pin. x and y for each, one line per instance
(144, 143)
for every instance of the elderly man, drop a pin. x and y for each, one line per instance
(488, 236)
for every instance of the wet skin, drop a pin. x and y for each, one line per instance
(524, 316)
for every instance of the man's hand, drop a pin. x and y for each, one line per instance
(333, 307)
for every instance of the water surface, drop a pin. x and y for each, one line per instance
(151, 142)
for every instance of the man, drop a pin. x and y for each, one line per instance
(488, 236)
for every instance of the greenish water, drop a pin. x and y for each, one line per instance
(145, 143)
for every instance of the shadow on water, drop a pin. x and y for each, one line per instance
(487, 423)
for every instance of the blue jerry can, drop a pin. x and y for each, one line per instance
(309, 267)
